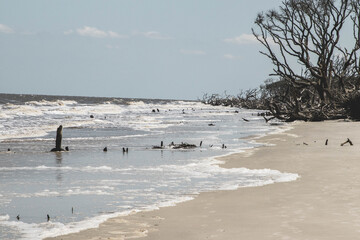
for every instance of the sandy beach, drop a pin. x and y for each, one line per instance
(322, 204)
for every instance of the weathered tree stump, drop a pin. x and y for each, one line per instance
(58, 140)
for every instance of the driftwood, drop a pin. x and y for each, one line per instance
(58, 140)
(184, 146)
(268, 119)
(347, 141)
(159, 147)
(176, 146)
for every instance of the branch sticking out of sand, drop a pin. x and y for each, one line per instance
(347, 141)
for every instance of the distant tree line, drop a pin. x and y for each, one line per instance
(316, 76)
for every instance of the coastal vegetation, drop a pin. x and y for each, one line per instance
(314, 49)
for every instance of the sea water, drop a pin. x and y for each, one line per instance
(81, 188)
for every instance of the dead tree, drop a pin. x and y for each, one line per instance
(58, 140)
(302, 39)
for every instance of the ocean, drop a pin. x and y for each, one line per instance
(83, 187)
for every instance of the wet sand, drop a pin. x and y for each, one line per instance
(324, 203)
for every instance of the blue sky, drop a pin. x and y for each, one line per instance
(130, 48)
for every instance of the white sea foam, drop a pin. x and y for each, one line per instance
(51, 103)
(77, 169)
(53, 229)
(35, 119)
(33, 231)
(76, 191)
(4, 217)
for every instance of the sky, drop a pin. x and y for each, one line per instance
(131, 48)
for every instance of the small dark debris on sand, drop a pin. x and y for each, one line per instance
(347, 141)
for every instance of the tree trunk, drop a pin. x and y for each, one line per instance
(58, 140)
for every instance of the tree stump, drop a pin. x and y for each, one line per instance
(58, 140)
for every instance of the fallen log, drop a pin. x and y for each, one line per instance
(184, 146)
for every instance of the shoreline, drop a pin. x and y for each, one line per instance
(221, 160)
(321, 204)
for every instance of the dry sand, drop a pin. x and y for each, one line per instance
(323, 204)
